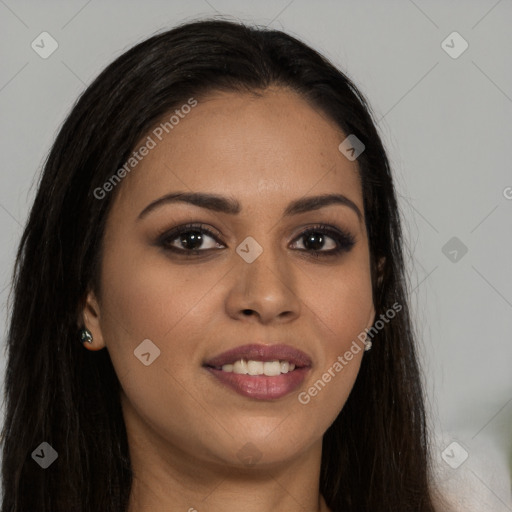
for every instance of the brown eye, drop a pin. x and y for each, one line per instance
(189, 239)
(318, 237)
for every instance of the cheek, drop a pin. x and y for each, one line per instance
(340, 309)
(151, 296)
(148, 298)
(340, 303)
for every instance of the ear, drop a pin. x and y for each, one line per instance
(91, 320)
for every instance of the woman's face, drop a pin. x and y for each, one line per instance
(255, 280)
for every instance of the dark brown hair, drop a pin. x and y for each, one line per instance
(375, 454)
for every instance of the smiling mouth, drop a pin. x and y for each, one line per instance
(261, 372)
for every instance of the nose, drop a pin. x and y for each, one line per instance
(264, 291)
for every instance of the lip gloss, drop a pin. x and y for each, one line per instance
(261, 387)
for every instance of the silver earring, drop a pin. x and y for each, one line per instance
(85, 335)
(367, 345)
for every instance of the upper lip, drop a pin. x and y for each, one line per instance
(258, 352)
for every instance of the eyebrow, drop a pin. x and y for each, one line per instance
(231, 206)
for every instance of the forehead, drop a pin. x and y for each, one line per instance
(265, 150)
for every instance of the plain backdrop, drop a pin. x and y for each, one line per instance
(446, 120)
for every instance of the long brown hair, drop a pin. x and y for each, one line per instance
(375, 454)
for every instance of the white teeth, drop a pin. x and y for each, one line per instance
(272, 368)
(251, 367)
(254, 367)
(239, 367)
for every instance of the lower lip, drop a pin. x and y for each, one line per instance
(262, 387)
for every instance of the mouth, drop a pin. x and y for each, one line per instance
(261, 372)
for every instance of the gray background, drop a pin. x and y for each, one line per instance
(446, 123)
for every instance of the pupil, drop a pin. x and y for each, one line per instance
(315, 240)
(194, 236)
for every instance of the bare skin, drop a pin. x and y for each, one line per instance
(185, 428)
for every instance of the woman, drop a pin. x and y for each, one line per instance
(217, 219)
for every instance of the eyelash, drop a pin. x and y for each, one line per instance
(344, 240)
